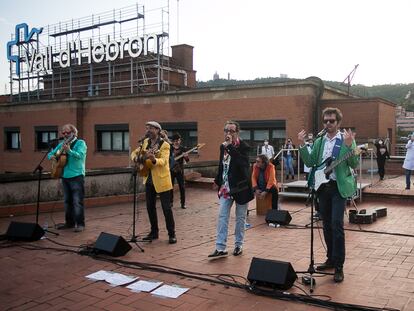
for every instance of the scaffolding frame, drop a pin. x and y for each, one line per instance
(133, 74)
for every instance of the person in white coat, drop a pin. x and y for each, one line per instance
(409, 161)
(267, 150)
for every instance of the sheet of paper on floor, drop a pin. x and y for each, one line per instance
(144, 286)
(169, 291)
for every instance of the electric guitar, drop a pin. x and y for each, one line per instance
(188, 151)
(320, 174)
(60, 159)
(176, 167)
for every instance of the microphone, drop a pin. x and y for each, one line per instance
(143, 138)
(321, 133)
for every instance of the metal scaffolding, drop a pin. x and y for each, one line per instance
(126, 75)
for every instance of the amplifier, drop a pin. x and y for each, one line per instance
(364, 218)
(381, 212)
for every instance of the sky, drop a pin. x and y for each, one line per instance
(262, 38)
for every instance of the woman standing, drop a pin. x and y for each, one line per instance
(382, 155)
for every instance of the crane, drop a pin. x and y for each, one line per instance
(349, 78)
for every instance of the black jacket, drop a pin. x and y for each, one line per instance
(239, 172)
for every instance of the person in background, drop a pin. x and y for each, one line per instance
(409, 161)
(264, 179)
(288, 156)
(73, 178)
(233, 185)
(382, 155)
(267, 149)
(177, 170)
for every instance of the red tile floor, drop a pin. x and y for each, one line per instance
(50, 274)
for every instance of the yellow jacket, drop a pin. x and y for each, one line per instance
(160, 171)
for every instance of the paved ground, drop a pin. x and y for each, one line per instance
(50, 275)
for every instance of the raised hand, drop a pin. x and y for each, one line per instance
(302, 136)
(349, 137)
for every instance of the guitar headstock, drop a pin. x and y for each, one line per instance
(200, 145)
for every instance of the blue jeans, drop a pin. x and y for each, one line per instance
(332, 209)
(73, 193)
(408, 179)
(288, 163)
(223, 223)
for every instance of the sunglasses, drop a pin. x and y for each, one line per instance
(66, 132)
(332, 121)
(229, 131)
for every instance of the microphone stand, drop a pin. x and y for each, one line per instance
(39, 169)
(312, 197)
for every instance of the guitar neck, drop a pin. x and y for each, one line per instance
(339, 161)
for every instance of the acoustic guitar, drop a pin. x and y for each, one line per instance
(60, 159)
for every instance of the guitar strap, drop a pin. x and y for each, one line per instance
(337, 148)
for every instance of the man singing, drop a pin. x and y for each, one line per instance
(233, 184)
(153, 160)
(73, 178)
(332, 195)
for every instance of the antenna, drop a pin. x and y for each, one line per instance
(178, 21)
(349, 78)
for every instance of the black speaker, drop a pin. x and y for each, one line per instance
(278, 217)
(24, 231)
(271, 273)
(113, 245)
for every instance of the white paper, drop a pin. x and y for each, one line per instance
(144, 286)
(113, 278)
(169, 291)
(116, 279)
(101, 275)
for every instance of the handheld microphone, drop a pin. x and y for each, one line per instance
(321, 133)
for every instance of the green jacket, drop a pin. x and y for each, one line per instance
(75, 165)
(344, 178)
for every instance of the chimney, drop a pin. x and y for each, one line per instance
(183, 55)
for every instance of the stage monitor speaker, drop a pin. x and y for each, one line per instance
(271, 273)
(113, 245)
(24, 231)
(278, 217)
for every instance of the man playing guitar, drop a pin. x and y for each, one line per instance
(153, 160)
(73, 177)
(332, 195)
(177, 171)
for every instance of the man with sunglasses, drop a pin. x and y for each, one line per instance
(73, 178)
(233, 184)
(332, 195)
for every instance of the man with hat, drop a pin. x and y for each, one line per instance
(177, 169)
(153, 157)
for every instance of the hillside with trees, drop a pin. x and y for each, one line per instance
(401, 94)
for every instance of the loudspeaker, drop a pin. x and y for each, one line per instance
(381, 212)
(278, 217)
(112, 245)
(271, 273)
(24, 231)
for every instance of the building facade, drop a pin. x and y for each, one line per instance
(112, 125)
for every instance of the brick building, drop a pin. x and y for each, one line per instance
(112, 125)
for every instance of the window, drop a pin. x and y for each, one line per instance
(44, 136)
(187, 130)
(12, 138)
(255, 132)
(112, 137)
